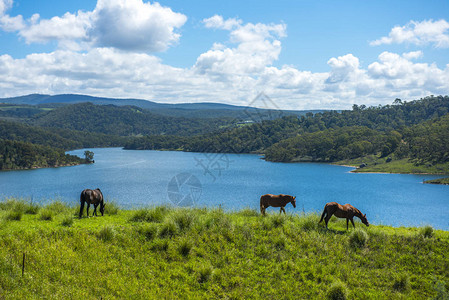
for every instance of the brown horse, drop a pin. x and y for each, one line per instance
(94, 197)
(342, 211)
(276, 201)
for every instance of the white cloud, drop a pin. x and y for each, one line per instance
(232, 71)
(217, 21)
(418, 33)
(134, 25)
(131, 25)
(258, 46)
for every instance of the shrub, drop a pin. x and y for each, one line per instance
(67, 221)
(106, 234)
(337, 291)
(427, 231)
(358, 238)
(401, 283)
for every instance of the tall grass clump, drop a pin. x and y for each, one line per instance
(183, 219)
(106, 234)
(155, 214)
(184, 247)
(427, 231)
(57, 207)
(248, 212)
(358, 238)
(46, 214)
(309, 222)
(67, 220)
(14, 215)
(401, 283)
(168, 229)
(337, 291)
(111, 208)
(204, 273)
(148, 231)
(23, 206)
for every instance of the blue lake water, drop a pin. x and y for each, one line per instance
(145, 178)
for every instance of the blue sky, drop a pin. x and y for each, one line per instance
(302, 54)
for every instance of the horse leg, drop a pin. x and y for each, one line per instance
(327, 218)
(262, 210)
(352, 221)
(95, 209)
(283, 209)
(87, 209)
(347, 221)
(81, 209)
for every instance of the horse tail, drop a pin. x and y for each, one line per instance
(323, 214)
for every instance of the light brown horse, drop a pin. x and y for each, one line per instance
(276, 201)
(94, 197)
(342, 211)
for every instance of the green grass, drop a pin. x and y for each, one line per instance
(164, 252)
(438, 181)
(375, 164)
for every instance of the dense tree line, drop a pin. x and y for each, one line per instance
(124, 121)
(330, 135)
(334, 144)
(22, 155)
(56, 137)
(427, 141)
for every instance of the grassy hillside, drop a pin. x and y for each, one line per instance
(171, 253)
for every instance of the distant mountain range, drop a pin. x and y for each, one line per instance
(193, 110)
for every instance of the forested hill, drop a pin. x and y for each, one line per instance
(30, 104)
(124, 121)
(331, 136)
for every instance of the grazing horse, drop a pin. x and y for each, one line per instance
(94, 197)
(276, 201)
(342, 211)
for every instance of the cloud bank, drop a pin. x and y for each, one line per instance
(101, 53)
(431, 32)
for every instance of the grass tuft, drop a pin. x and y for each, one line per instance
(106, 234)
(358, 238)
(46, 214)
(337, 291)
(401, 283)
(14, 215)
(67, 220)
(427, 231)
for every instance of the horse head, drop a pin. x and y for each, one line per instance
(364, 220)
(293, 201)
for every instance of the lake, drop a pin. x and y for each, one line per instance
(144, 178)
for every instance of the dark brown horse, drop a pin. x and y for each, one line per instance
(276, 201)
(94, 197)
(342, 211)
